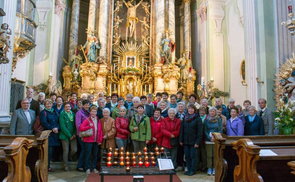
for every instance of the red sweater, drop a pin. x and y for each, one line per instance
(156, 130)
(122, 128)
(168, 129)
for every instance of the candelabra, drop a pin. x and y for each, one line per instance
(290, 23)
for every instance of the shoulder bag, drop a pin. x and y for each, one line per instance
(86, 133)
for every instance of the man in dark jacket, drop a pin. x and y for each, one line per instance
(34, 105)
(148, 110)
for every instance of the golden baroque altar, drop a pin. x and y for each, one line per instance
(139, 56)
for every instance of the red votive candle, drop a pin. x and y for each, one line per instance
(140, 163)
(290, 8)
(147, 163)
(109, 164)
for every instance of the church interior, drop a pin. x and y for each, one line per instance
(147, 90)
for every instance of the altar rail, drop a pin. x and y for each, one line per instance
(13, 161)
(38, 155)
(226, 158)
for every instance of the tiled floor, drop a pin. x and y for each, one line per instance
(74, 176)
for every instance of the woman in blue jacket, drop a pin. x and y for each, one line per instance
(254, 124)
(49, 121)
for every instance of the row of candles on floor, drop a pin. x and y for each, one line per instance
(134, 163)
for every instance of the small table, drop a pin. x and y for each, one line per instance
(118, 171)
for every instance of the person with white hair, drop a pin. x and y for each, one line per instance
(128, 103)
(101, 105)
(34, 105)
(133, 110)
(231, 103)
(204, 103)
(41, 99)
(213, 123)
(122, 128)
(170, 132)
(109, 130)
(84, 96)
(254, 125)
(164, 107)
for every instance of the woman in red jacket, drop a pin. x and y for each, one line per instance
(156, 122)
(122, 128)
(170, 131)
(92, 143)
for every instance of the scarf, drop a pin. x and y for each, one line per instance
(178, 100)
(138, 118)
(51, 110)
(251, 118)
(157, 119)
(189, 117)
(87, 113)
(70, 115)
(212, 119)
(73, 104)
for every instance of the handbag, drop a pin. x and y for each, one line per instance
(174, 142)
(37, 125)
(86, 133)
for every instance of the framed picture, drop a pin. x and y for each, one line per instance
(130, 61)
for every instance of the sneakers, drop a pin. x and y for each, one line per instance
(209, 172)
(88, 171)
(95, 171)
(51, 170)
(186, 173)
(185, 169)
(213, 172)
(191, 174)
(80, 169)
(67, 169)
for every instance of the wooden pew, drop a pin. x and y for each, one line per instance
(226, 158)
(13, 161)
(292, 165)
(38, 155)
(256, 167)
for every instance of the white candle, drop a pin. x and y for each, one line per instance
(50, 74)
(115, 87)
(212, 79)
(203, 80)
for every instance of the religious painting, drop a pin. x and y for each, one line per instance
(243, 70)
(130, 61)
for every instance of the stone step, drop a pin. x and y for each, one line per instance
(60, 165)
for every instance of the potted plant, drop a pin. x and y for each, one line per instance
(284, 119)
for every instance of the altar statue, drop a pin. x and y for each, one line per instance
(146, 8)
(182, 63)
(145, 24)
(117, 22)
(289, 90)
(167, 48)
(131, 16)
(5, 33)
(51, 88)
(118, 6)
(91, 46)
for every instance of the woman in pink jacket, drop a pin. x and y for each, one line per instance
(92, 143)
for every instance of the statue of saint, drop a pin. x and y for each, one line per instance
(146, 8)
(91, 46)
(118, 7)
(167, 48)
(5, 33)
(131, 16)
(182, 63)
(117, 21)
(289, 89)
(145, 24)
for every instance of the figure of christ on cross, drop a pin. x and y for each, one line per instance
(131, 16)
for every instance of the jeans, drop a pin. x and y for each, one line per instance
(210, 155)
(66, 145)
(191, 157)
(91, 148)
(173, 154)
(49, 155)
(81, 162)
(180, 154)
(203, 155)
(121, 143)
(138, 146)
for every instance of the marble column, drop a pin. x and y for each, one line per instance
(92, 14)
(187, 25)
(171, 23)
(251, 49)
(103, 27)
(74, 28)
(5, 69)
(160, 27)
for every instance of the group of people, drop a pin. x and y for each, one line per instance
(183, 128)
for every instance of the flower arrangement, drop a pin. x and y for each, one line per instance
(284, 121)
(127, 70)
